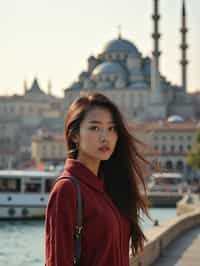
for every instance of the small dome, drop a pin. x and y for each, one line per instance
(108, 68)
(175, 119)
(75, 86)
(138, 85)
(120, 45)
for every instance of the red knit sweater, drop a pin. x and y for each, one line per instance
(106, 232)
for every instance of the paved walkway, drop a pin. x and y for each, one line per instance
(184, 251)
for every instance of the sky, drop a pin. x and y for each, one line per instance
(52, 39)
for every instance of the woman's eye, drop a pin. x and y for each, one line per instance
(112, 128)
(94, 128)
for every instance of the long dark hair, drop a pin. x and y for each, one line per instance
(123, 171)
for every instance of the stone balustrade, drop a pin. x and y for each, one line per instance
(159, 237)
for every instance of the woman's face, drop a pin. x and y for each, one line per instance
(97, 136)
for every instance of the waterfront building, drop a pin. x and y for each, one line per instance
(48, 147)
(9, 140)
(32, 106)
(20, 116)
(169, 141)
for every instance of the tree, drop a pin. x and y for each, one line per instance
(193, 157)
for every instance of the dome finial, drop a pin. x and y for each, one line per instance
(119, 31)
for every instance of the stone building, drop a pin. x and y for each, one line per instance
(21, 116)
(48, 147)
(169, 141)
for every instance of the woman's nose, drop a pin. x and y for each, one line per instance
(103, 134)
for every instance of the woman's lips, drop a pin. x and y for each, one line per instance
(104, 149)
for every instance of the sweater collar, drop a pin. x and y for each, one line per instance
(84, 174)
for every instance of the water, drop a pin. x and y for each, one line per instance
(22, 243)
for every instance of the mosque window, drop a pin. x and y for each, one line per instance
(181, 137)
(164, 137)
(189, 138)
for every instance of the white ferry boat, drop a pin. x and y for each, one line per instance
(24, 194)
(165, 189)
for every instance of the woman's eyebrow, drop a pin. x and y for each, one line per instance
(99, 122)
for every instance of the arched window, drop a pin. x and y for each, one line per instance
(169, 165)
(180, 166)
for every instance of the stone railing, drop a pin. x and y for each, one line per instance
(160, 236)
(189, 203)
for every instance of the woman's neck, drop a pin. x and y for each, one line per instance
(92, 165)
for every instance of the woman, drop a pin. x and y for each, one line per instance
(103, 156)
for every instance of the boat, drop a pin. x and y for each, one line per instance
(24, 193)
(165, 189)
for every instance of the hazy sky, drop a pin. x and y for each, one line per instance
(53, 38)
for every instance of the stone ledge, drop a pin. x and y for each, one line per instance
(159, 237)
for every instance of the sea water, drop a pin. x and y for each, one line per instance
(22, 242)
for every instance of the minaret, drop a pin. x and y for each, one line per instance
(155, 76)
(119, 32)
(156, 35)
(184, 47)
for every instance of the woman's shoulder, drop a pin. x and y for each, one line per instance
(63, 184)
(63, 188)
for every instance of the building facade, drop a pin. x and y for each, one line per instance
(169, 142)
(20, 117)
(48, 148)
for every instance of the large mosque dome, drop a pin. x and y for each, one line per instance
(108, 68)
(120, 45)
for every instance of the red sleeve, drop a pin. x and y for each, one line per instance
(60, 224)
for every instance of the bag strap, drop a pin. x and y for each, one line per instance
(79, 220)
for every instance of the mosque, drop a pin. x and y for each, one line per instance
(134, 82)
